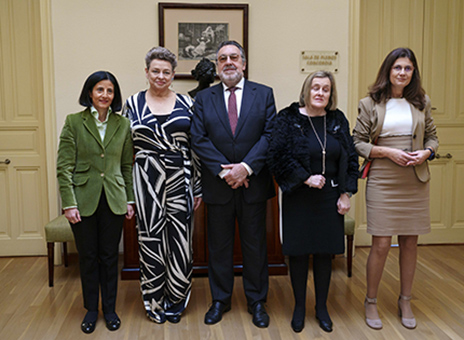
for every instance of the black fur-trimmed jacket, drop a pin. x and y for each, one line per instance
(288, 153)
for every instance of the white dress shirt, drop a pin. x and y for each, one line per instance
(101, 126)
(238, 97)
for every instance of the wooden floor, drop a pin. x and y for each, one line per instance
(29, 309)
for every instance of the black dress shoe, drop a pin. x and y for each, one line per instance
(297, 325)
(298, 319)
(112, 321)
(214, 313)
(326, 325)
(89, 322)
(260, 317)
(173, 318)
(88, 327)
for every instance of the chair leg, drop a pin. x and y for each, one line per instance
(65, 253)
(349, 254)
(51, 253)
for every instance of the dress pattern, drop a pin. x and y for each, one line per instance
(166, 178)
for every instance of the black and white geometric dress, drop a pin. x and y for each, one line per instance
(166, 178)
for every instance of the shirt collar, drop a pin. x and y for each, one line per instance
(239, 85)
(94, 113)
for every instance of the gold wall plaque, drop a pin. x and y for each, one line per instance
(311, 61)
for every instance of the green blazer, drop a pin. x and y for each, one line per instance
(369, 125)
(86, 165)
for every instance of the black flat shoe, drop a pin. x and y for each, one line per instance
(326, 325)
(214, 313)
(88, 327)
(89, 322)
(260, 317)
(298, 319)
(173, 318)
(297, 325)
(112, 322)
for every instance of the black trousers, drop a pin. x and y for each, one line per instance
(221, 234)
(97, 240)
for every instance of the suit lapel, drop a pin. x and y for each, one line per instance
(415, 118)
(111, 128)
(90, 125)
(249, 92)
(381, 110)
(220, 107)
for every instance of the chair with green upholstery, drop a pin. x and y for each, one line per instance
(57, 230)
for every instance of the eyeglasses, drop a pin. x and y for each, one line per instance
(407, 69)
(223, 57)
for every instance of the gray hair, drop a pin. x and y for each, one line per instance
(306, 89)
(231, 42)
(161, 53)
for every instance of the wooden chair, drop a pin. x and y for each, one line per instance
(349, 232)
(57, 230)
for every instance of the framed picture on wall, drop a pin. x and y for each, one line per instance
(193, 31)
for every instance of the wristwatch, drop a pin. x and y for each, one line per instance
(349, 194)
(432, 154)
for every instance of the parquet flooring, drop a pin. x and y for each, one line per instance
(29, 309)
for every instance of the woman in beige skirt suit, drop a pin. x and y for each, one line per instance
(395, 129)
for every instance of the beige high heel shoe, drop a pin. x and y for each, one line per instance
(372, 323)
(409, 323)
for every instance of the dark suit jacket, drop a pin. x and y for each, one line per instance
(86, 165)
(214, 143)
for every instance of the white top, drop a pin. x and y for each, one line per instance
(398, 118)
(101, 126)
(238, 97)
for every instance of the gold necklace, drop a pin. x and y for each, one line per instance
(323, 146)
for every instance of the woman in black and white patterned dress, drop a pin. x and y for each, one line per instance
(167, 188)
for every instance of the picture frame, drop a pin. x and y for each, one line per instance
(193, 31)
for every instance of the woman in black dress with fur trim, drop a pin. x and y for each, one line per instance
(313, 159)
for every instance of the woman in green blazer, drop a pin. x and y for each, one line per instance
(94, 171)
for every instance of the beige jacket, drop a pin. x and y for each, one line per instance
(369, 125)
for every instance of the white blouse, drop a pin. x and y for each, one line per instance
(398, 118)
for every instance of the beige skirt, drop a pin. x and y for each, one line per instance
(397, 202)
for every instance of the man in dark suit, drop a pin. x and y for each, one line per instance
(230, 133)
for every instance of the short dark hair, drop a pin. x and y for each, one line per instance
(232, 42)
(380, 91)
(161, 53)
(90, 83)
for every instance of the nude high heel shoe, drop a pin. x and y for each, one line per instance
(372, 323)
(409, 323)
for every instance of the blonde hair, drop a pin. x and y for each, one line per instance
(306, 89)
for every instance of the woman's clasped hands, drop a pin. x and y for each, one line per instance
(315, 181)
(404, 158)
